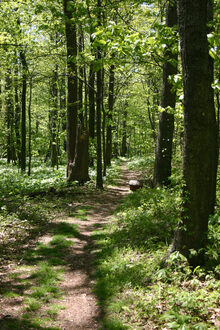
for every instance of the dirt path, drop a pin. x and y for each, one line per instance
(81, 307)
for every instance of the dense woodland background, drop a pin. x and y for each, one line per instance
(86, 84)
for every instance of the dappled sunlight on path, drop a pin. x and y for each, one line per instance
(65, 253)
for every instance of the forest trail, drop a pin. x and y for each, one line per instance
(80, 305)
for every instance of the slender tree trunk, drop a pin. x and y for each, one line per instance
(116, 151)
(99, 179)
(91, 102)
(86, 97)
(162, 167)
(54, 118)
(104, 139)
(81, 76)
(72, 88)
(17, 117)
(23, 110)
(200, 147)
(9, 116)
(63, 105)
(29, 129)
(152, 121)
(109, 116)
(124, 135)
(103, 125)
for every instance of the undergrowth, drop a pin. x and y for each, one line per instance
(32, 271)
(135, 288)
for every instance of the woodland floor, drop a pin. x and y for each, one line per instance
(79, 305)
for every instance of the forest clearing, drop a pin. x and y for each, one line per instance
(109, 164)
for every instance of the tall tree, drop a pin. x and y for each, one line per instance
(124, 134)
(17, 115)
(163, 157)
(9, 116)
(81, 78)
(72, 92)
(23, 109)
(109, 116)
(54, 118)
(200, 147)
(99, 179)
(29, 128)
(91, 101)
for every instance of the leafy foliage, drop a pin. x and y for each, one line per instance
(136, 286)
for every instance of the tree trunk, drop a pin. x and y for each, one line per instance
(54, 118)
(91, 102)
(17, 118)
(124, 136)
(104, 138)
(81, 74)
(99, 179)
(109, 116)
(72, 92)
(162, 166)
(86, 96)
(63, 105)
(200, 147)
(29, 129)
(152, 121)
(23, 110)
(9, 116)
(80, 166)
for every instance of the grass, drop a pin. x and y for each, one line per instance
(39, 281)
(135, 289)
(35, 282)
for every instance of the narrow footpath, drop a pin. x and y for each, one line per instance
(81, 306)
(20, 283)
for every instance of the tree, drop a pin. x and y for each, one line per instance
(110, 116)
(79, 167)
(23, 109)
(72, 87)
(124, 133)
(162, 167)
(9, 116)
(54, 118)
(200, 146)
(99, 180)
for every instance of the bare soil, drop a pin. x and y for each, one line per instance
(82, 310)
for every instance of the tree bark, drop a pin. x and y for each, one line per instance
(162, 166)
(17, 117)
(79, 168)
(23, 110)
(124, 136)
(54, 118)
(72, 88)
(200, 145)
(9, 116)
(29, 129)
(99, 179)
(109, 116)
(81, 75)
(91, 102)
